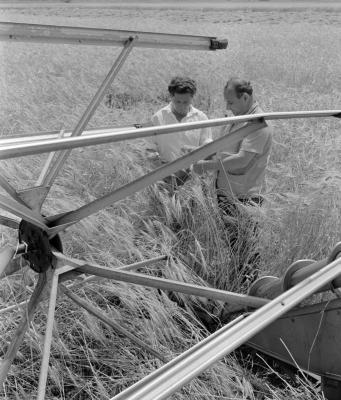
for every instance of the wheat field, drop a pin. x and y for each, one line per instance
(293, 58)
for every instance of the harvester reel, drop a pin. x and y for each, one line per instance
(41, 246)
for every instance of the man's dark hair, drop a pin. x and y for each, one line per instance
(240, 86)
(182, 85)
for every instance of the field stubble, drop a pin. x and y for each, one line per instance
(293, 60)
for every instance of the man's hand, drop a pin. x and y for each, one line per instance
(203, 166)
(198, 167)
(186, 148)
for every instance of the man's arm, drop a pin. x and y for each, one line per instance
(232, 163)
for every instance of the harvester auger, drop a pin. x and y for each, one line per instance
(40, 245)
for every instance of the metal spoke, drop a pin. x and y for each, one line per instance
(92, 107)
(9, 222)
(48, 338)
(129, 267)
(48, 163)
(156, 175)
(160, 283)
(23, 212)
(10, 189)
(9, 265)
(20, 332)
(118, 328)
(6, 256)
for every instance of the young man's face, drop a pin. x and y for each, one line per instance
(238, 106)
(181, 102)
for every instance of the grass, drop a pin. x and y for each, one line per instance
(294, 66)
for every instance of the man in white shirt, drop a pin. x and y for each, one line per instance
(180, 109)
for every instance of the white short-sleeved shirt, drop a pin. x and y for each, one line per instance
(250, 180)
(170, 145)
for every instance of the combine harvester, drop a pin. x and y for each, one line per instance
(308, 337)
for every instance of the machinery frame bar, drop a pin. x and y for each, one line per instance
(90, 110)
(168, 379)
(22, 211)
(23, 32)
(154, 176)
(43, 146)
(13, 347)
(19, 139)
(161, 283)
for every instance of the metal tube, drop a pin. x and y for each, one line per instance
(92, 107)
(174, 375)
(160, 283)
(10, 189)
(43, 146)
(21, 329)
(48, 338)
(114, 325)
(152, 177)
(22, 211)
(36, 137)
(9, 222)
(129, 267)
(104, 37)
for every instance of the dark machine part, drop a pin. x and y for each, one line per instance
(308, 336)
(39, 247)
(218, 44)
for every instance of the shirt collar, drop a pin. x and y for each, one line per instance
(191, 111)
(253, 108)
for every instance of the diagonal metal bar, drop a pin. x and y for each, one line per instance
(10, 189)
(22, 211)
(9, 222)
(105, 37)
(129, 267)
(6, 256)
(48, 164)
(156, 175)
(168, 379)
(48, 338)
(118, 328)
(20, 332)
(160, 283)
(11, 150)
(37, 137)
(140, 264)
(90, 110)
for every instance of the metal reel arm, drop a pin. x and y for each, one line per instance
(162, 172)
